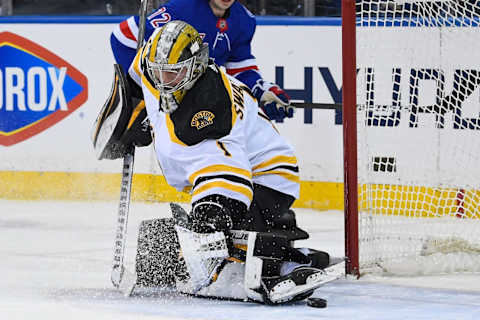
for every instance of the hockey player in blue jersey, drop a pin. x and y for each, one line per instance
(228, 28)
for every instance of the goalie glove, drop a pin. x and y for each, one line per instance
(209, 216)
(273, 100)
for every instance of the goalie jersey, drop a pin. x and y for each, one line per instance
(228, 38)
(217, 141)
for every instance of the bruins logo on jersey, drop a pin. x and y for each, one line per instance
(202, 119)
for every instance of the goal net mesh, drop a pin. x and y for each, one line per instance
(418, 119)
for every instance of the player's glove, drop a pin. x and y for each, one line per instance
(273, 100)
(210, 216)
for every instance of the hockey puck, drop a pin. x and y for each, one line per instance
(317, 302)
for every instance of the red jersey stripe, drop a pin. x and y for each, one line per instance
(126, 31)
(238, 70)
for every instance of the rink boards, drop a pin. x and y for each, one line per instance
(51, 97)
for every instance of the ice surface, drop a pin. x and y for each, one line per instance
(55, 260)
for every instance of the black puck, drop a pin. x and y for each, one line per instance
(317, 302)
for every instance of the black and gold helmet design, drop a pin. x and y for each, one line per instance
(175, 57)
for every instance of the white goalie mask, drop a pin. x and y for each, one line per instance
(175, 58)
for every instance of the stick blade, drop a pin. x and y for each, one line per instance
(128, 283)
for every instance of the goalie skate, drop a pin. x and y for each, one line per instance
(299, 284)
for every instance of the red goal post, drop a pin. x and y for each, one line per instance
(411, 136)
(349, 99)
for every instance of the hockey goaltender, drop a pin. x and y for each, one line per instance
(213, 141)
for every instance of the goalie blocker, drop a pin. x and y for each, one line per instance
(122, 121)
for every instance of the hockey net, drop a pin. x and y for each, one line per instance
(418, 133)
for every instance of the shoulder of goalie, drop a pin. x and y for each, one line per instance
(122, 121)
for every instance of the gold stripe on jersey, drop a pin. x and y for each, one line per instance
(228, 86)
(140, 106)
(289, 176)
(246, 191)
(136, 64)
(151, 87)
(171, 131)
(138, 67)
(278, 160)
(219, 168)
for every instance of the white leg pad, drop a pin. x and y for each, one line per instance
(253, 270)
(203, 254)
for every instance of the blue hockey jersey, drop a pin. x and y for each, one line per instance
(229, 38)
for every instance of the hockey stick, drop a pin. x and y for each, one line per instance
(120, 277)
(315, 105)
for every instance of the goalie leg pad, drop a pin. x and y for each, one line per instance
(204, 255)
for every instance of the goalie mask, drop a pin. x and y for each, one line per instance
(175, 58)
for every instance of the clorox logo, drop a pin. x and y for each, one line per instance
(37, 89)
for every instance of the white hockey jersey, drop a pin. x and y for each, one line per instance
(218, 141)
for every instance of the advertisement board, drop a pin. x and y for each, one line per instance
(56, 76)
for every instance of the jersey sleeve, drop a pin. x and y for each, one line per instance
(123, 40)
(242, 63)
